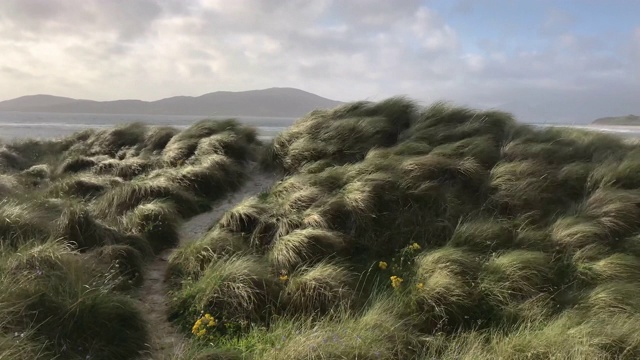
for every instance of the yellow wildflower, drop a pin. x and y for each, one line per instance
(200, 326)
(211, 321)
(283, 277)
(396, 281)
(196, 326)
(415, 246)
(382, 265)
(420, 285)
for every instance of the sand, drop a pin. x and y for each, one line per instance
(166, 341)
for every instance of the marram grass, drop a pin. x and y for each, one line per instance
(79, 219)
(401, 232)
(396, 232)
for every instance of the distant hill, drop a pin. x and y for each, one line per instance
(629, 120)
(273, 102)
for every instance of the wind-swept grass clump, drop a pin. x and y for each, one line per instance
(443, 123)
(378, 331)
(111, 141)
(82, 186)
(564, 146)
(46, 151)
(50, 297)
(126, 169)
(614, 267)
(612, 298)
(124, 264)
(245, 217)
(516, 276)
(619, 172)
(191, 260)
(445, 291)
(157, 222)
(483, 235)
(21, 349)
(78, 226)
(8, 185)
(10, 161)
(119, 200)
(76, 164)
(227, 143)
(342, 135)
(39, 172)
(484, 149)
(21, 223)
(528, 188)
(604, 218)
(209, 179)
(158, 137)
(233, 289)
(227, 138)
(304, 246)
(317, 289)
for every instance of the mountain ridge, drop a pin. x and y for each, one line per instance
(272, 102)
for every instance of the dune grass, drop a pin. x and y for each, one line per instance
(55, 297)
(396, 232)
(401, 232)
(80, 217)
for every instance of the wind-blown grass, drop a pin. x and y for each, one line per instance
(49, 295)
(472, 237)
(397, 232)
(79, 218)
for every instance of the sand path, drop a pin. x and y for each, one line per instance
(166, 342)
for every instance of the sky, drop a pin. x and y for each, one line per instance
(544, 61)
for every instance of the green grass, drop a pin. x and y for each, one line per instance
(157, 221)
(396, 232)
(400, 232)
(79, 219)
(51, 296)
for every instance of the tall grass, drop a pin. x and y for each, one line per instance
(50, 296)
(397, 232)
(79, 218)
(401, 232)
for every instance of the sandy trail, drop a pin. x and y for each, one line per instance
(166, 341)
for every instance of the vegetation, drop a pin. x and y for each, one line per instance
(406, 233)
(80, 216)
(396, 232)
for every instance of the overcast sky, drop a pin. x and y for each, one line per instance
(546, 61)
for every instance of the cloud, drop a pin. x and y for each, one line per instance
(126, 19)
(347, 50)
(557, 22)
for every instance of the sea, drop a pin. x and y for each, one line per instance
(21, 125)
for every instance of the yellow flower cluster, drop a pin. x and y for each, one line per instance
(383, 265)
(283, 277)
(415, 247)
(199, 329)
(396, 281)
(420, 285)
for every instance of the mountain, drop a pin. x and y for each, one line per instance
(629, 120)
(273, 102)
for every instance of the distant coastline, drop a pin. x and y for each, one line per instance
(628, 120)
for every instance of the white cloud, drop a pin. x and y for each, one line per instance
(348, 50)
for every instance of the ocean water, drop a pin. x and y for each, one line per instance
(19, 125)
